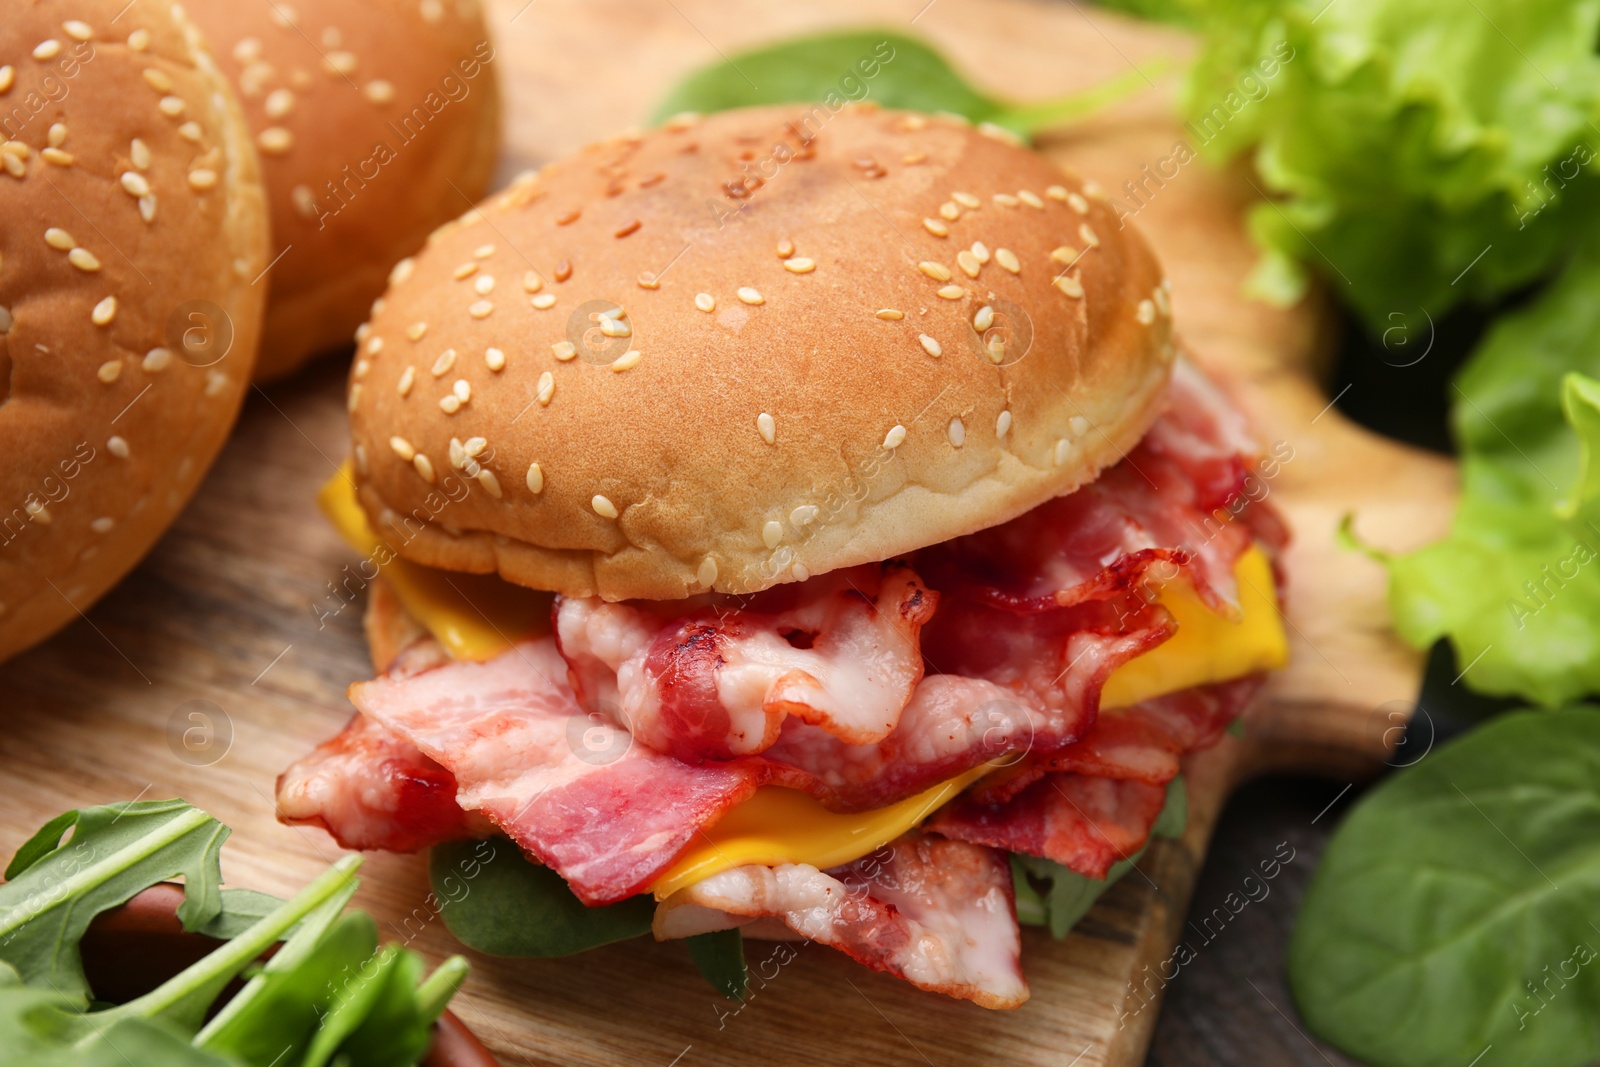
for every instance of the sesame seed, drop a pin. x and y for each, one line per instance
(275, 140)
(563, 271)
(415, 331)
(483, 252)
(1065, 254)
(279, 103)
(569, 218)
(751, 296)
(804, 515)
(958, 432)
(340, 63)
(983, 319)
(202, 178)
(894, 437)
(8, 77)
(544, 301)
(458, 453)
(996, 350)
(172, 106)
(707, 572)
(705, 302)
(1007, 259)
(474, 446)
(490, 483)
(1146, 313)
(1069, 285)
(603, 507)
(785, 248)
(104, 311)
(935, 227)
(913, 123)
(47, 49)
(135, 184)
(968, 263)
(449, 403)
(424, 467)
(361, 368)
(109, 371)
(147, 208)
(629, 227)
(374, 344)
(442, 365)
(402, 448)
(613, 328)
(547, 388)
(484, 285)
(930, 346)
(535, 479)
(772, 533)
(85, 260)
(952, 292)
(354, 397)
(465, 271)
(1005, 200)
(379, 91)
(156, 359)
(766, 427)
(564, 350)
(59, 239)
(531, 282)
(481, 309)
(1163, 301)
(950, 210)
(1078, 425)
(1002, 425)
(117, 447)
(401, 271)
(799, 265)
(1088, 236)
(216, 381)
(191, 131)
(1079, 204)
(937, 271)
(57, 134)
(408, 377)
(1063, 451)
(1031, 199)
(56, 157)
(102, 525)
(980, 251)
(494, 359)
(998, 133)
(890, 314)
(627, 361)
(462, 389)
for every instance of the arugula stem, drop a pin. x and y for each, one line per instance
(437, 989)
(1033, 117)
(74, 886)
(234, 956)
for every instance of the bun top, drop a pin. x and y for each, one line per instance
(737, 351)
(376, 121)
(132, 224)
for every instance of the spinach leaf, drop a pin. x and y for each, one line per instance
(56, 888)
(1067, 895)
(1452, 918)
(719, 956)
(896, 71)
(513, 907)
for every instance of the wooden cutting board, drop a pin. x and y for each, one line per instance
(234, 618)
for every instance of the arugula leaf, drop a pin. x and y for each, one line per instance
(1069, 895)
(1177, 12)
(1400, 140)
(890, 68)
(1453, 909)
(719, 957)
(513, 907)
(241, 909)
(56, 888)
(1527, 530)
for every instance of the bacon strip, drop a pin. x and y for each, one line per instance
(571, 789)
(936, 912)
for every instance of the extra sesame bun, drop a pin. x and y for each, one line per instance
(376, 120)
(132, 222)
(802, 388)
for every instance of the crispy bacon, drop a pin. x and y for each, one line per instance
(570, 788)
(936, 912)
(720, 682)
(1080, 821)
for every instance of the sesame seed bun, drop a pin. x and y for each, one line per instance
(801, 386)
(132, 222)
(376, 121)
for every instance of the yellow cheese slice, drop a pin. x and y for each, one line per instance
(475, 616)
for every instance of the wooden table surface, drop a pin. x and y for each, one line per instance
(235, 616)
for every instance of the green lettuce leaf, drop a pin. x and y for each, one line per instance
(1515, 586)
(719, 957)
(1402, 140)
(1451, 920)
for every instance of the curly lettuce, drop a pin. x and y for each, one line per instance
(1515, 586)
(1415, 152)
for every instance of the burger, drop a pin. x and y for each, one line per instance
(787, 517)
